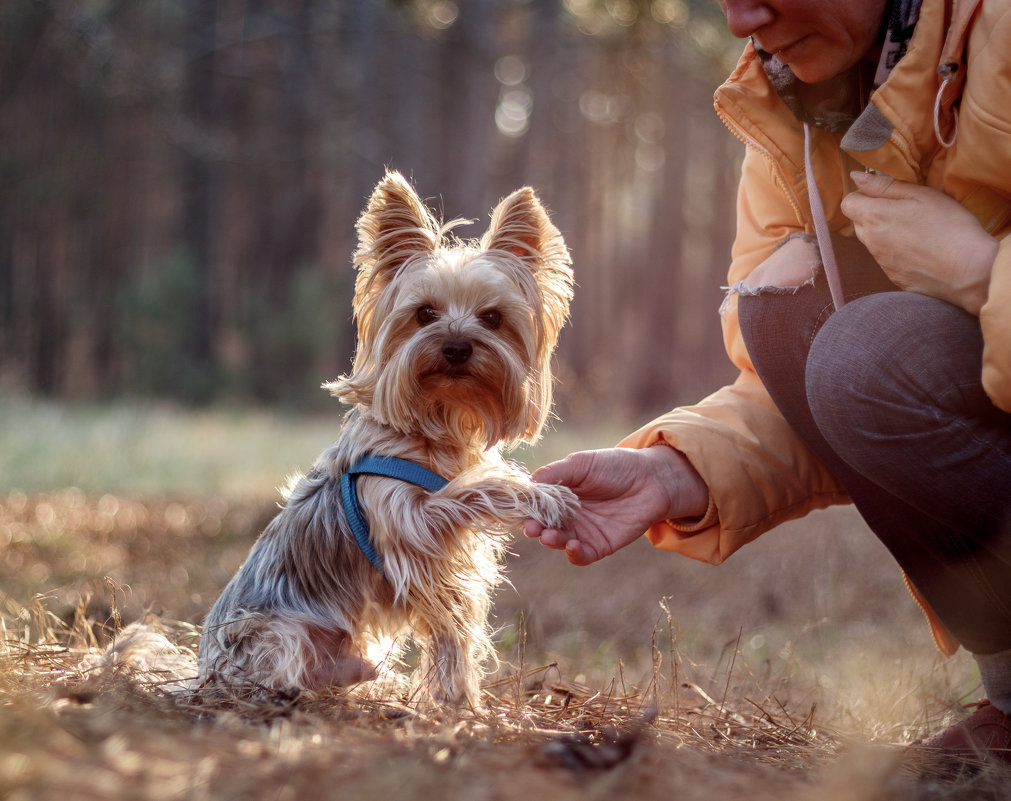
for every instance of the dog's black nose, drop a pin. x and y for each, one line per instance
(456, 353)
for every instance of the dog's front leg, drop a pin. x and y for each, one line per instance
(496, 501)
(447, 669)
(501, 499)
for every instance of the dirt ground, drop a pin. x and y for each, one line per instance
(799, 669)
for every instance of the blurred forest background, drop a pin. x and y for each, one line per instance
(179, 183)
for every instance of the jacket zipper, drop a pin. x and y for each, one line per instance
(749, 141)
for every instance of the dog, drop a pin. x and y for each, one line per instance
(452, 366)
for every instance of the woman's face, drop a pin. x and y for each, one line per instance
(818, 38)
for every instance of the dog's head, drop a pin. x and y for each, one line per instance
(455, 339)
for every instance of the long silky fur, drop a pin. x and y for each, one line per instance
(307, 610)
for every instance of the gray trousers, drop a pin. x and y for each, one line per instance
(886, 392)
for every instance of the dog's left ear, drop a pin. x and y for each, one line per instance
(521, 226)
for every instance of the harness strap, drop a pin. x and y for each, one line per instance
(388, 467)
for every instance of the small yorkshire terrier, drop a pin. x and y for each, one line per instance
(452, 365)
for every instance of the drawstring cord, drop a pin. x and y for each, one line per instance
(947, 73)
(821, 231)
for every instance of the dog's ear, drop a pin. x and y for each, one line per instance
(394, 226)
(521, 226)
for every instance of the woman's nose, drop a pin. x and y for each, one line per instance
(744, 17)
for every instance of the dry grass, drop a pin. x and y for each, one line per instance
(797, 670)
(792, 673)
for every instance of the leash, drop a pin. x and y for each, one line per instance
(387, 467)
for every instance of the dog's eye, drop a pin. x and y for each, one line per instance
(491, 318)
(426, 315)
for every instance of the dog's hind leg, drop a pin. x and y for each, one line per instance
(283, 653)
(332, 660)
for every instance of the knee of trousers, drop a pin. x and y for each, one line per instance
(886, 367)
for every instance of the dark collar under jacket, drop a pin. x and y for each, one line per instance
(834, 104)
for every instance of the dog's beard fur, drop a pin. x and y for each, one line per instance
(453, 363)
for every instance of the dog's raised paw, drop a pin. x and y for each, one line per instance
(554, 505)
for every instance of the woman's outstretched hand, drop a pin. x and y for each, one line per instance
(621, 492)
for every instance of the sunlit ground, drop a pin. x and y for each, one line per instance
(115, 511)
(819, 598)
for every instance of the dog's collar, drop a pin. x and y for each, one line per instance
(388, 467)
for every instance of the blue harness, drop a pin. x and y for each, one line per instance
(388, 467)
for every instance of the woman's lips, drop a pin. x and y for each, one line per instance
(787, 53)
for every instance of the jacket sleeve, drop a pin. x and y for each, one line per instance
(995, 320)
(980, 174)
(758, 471)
